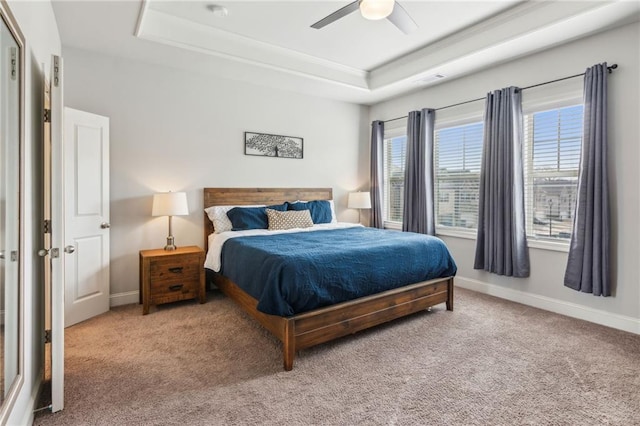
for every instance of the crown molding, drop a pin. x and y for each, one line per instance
(179, 32)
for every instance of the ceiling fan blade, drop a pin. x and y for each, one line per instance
(340, 13)
(401, 19)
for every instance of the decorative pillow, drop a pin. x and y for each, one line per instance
(243, 218)
(289, 220)
(218, 216)
(320, 210)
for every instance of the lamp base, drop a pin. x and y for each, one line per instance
(170, 245)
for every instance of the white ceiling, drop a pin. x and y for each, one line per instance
(352, 41)
(352, 59)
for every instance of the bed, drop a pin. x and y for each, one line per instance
(313, 327)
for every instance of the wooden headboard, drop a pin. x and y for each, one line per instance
(248, 196)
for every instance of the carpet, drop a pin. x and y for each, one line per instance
(490, 362)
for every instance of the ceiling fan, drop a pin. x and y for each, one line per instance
(374, 10)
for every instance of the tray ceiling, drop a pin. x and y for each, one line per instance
(352, 59)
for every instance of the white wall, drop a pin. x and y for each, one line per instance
(544, 288)
(38, 24)
(181, 131)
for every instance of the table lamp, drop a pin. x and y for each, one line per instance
(170, 204)
(359, 200)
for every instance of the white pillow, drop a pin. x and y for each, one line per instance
(218, 216)
(334, 219)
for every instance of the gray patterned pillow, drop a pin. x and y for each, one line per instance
(289, 219)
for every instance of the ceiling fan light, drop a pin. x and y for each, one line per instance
(376, 9)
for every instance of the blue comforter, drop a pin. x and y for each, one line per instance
(298, 272)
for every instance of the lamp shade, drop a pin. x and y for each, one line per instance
(376, 9)
(170, 204)
(359, 200)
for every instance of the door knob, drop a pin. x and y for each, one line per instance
(105, 225)
(55, 252)
(69, 249)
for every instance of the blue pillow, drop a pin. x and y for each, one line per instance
(320, 210)
(243, 218)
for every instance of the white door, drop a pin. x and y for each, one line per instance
(79, 252)
(86, 204)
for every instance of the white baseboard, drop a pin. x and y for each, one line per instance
(125, 298)
(621, 322)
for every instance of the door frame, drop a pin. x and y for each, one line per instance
(57, 236)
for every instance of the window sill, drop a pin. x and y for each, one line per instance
(561, 246)
(549, 245)
(452, 232)
(532, 243)
(396, 226)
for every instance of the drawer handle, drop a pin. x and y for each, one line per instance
(176, 287)
(177, 270)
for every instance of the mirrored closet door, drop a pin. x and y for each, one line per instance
(11, 63)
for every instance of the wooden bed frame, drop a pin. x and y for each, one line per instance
(321, 325)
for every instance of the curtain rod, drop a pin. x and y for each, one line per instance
(610, 68)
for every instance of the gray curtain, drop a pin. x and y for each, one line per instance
(418, 214)
(588, 264)
(501, 246)
(377, 138)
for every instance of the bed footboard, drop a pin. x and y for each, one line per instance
(332, 322)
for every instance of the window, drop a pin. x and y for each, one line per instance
(458, 156)
(552, 160)
(395, 152)
(551, 152)
(552, 145)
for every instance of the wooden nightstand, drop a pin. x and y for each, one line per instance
(169, 276)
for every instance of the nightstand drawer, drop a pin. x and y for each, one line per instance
(171, 284)
(173, 290)
(175, 268)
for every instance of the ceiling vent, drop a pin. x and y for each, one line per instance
(429, 79)
(219, 11)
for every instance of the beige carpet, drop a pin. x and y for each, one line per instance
(490, 362)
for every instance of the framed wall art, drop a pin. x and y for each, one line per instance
(267, 145)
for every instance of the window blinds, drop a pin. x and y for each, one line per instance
(395, 152)
(458, 158)
(552, 159)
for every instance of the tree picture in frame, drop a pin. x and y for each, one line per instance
(267, 145)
